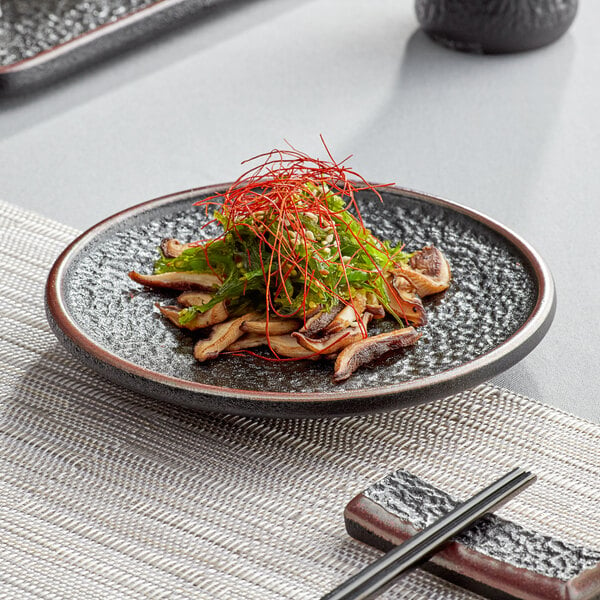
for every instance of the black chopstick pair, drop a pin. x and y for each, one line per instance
(375, 578)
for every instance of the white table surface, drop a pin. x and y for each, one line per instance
(516, 137)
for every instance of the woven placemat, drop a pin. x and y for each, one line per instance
(108, 494)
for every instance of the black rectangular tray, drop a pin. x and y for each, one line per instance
(42, 41)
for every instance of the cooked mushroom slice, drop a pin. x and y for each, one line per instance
(311, 312)
(320, 320)
(248, 340)
(214, 315)
(404, 301)
(288, 346)
(348, 316)
(217, 314)
(376, 310)
(172, 248)
(221, 336)
(283, 345)
(333, 342)
(277, 326)
(367, 350)
(178, 280)
(171, 312)
(374, 306)
(429, 271)
(193, 298)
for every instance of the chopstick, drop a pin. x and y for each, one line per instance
(379, 575)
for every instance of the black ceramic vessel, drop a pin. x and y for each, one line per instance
(495, 26)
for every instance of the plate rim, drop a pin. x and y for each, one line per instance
(475, 371)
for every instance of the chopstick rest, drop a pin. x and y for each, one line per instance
(372, 580)
(492, 555)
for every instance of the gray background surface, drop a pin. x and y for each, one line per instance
(516, 137)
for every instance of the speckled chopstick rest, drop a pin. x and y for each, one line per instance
(493, 553)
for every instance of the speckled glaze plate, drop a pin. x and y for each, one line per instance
(499, 306)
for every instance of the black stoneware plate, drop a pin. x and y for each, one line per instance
(499, 306)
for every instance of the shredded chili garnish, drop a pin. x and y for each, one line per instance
(300, 214)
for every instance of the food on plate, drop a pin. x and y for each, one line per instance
(295, 270)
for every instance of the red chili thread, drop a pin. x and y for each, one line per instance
(270, 199)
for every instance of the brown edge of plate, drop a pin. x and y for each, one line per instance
(299, 404)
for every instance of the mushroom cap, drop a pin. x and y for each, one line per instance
(221, 337)
(275, 326)
(320, 319)
(193, 298)
(214, 315)
(178, 280)
(428, 270)
(404, 300)
(172, 248)
(367, 350)
(333, 342)
(282, 345)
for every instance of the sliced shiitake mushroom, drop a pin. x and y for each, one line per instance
(288, 346)
(247, 341)
(318, 321)
(276, 326)
(331, 343)
(221, 336)
(348, 316)
(374, 306)
(428, 270)
(367, 350)
(404, 300)
(178, 280)
(172, 248)
(214, 315)
(193, 298)
(283, 345)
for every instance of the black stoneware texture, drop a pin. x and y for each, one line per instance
(417, 502)
(495, 26)
(46, 40)
(28, 28)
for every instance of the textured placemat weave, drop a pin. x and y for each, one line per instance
(107, 494)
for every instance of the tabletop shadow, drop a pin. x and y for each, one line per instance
(446, 110)
(115, 67)
(58, 384)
